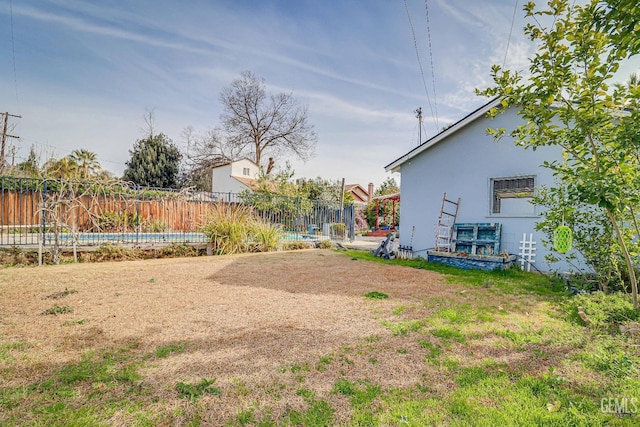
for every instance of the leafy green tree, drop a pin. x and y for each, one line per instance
(593, 236)
(276, 193)
(388, 186)
(323, 189)
(154, 162)
(568, 100)
(30, 167)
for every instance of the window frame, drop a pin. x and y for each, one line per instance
(514, 188)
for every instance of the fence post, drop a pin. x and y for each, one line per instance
(297, 220)
(139, 222)
(44, 214)
(40, 234)
(351, 230)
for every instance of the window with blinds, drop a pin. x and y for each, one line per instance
(506, 191)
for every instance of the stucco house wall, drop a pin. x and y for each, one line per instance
(464, 161)
(225, 177)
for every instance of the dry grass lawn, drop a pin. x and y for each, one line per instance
(243, 319)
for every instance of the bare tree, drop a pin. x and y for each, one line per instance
(203, 153)
(256, 122)
(149, 122)
(61, 209)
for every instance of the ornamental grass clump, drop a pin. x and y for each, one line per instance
(233, 229)
(229, 228)
(266, 236)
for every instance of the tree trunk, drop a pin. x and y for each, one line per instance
(627, 260)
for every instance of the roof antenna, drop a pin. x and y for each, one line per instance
(418, 112)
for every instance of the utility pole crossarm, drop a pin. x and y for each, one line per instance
(5, 135)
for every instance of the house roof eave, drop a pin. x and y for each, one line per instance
(396, 165)
(234, 161)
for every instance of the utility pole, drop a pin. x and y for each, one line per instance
(419, 117)
(342, 201)
(5, 135)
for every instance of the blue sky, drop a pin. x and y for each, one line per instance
(86, 71)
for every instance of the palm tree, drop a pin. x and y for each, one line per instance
(86, 161)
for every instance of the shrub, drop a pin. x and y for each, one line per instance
(266, 236)
(111, 252)
(324, 244)
(295, 245)
(177, 250)
(155, 226)
(15, 256)
(229, 228)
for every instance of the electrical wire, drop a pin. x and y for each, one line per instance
(13, 51)
(513, 19)
(59, 149)
(433, 72)
(424, 82)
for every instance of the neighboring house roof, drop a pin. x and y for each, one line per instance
(358, 191)
(470, 118)
(233, 161)
(252, 184)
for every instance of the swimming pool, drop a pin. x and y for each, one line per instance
(142, 238)
(129, 238)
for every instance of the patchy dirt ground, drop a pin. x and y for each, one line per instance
(243, 319)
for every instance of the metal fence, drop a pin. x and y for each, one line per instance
(36, 212)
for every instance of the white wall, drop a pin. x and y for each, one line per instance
(223, 180)
(238, 166)
(463, 166)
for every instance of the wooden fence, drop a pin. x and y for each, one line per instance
(32, 210)
(26, 209)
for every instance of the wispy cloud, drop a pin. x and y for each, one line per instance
(476, 14)
(102, 30)
(333, 106)
(197, 43)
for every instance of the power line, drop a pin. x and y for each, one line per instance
(433, 71)
(62, 149)
(424, 82)
(13, 52)
(513, 18)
